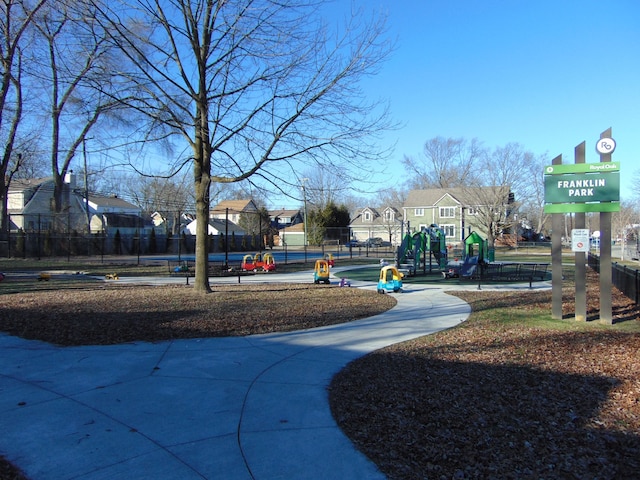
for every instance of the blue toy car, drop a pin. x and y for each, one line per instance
(390, 280)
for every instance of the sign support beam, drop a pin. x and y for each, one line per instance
(605, 275)
(580, 257)
(556, 259)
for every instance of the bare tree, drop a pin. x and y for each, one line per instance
(624, 227)
(324, 185)
(446, 163)
(530, 196)
(170, 197)
(255, 87)
(76, 58)
(16, 17)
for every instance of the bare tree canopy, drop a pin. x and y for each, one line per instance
(254, 87)
(446, 163)
(496, 183)
(16, 18)
(73, 59)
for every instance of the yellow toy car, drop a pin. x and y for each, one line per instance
(321, 272)
(390, 279)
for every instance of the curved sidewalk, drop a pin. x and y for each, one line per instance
(251, 407)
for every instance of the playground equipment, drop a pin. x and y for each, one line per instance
(321, 272)
(479, 263)
(475, 252)
(329, 258)
(414, 249)
(269, 263)
(390, 279)
(253, 263)
(247, 264)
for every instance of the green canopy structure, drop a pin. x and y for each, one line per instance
(474, 239)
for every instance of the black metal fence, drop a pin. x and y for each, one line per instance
(61, 244)
(626, 279)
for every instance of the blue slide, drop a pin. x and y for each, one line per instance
(468, 267)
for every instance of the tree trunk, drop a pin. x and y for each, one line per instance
(202, 223)
(202, 178)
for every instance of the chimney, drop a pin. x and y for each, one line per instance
(70, 179)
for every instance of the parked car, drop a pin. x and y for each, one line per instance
(353, 244)
(374, 242)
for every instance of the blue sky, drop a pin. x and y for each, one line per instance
(545, 74)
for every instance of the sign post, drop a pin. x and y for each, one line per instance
(607, 145)
(581, 257)
(581, 188)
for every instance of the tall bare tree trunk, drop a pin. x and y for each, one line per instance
(202, 179)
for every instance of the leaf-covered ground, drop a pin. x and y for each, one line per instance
(86, 315)
(500, 400)
(484, 400)
(116, 314)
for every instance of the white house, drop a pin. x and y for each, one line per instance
(216, 227)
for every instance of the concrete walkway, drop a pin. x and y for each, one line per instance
(251, 407)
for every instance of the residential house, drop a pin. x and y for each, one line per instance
(216, 227)
(111, 213)
(285, 218)
(385, 223)
(291, 236)
(458, 211)
(30, 204)
(232, 210)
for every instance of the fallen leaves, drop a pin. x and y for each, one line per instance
(117, 314)
(500, 400)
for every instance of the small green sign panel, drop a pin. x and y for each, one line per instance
(582, 168)
(582, 187)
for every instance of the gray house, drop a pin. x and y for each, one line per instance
(385, 223)
(30, 209)
(458, 211)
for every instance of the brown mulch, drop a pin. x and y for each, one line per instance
(117, 314)
(488, 400)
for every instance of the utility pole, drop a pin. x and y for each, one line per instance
(304, 199)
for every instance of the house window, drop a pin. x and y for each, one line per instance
(419, 212)
(472, 211)
(449, 230)
(447, 212)
(388, 216)
(367, 216)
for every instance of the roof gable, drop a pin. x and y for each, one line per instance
(466, 196)
(235, 206)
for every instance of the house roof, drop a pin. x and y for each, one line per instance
(297, 228)
(217, 225)
(234, 206)
(222, 226)
(465, 196)
(284, 213)
(378, 217)
(111, 201)
(18, 184)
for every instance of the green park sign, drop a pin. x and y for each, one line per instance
(582, 187)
